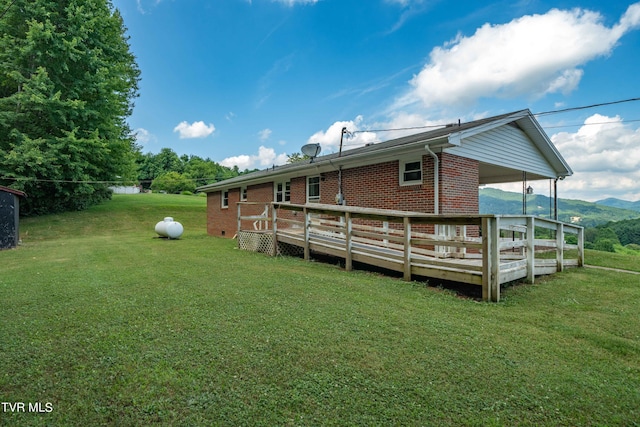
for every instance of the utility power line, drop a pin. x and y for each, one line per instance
(7, 9)
(542, 113)
(602, 104)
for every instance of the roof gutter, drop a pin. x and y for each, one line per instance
(332, 163)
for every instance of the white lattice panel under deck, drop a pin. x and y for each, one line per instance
(263, 242)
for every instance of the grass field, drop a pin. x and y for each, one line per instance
(105, 324)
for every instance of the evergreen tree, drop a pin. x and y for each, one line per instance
(67, 84)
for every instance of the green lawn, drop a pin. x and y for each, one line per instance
(113, 326)
(613, 260)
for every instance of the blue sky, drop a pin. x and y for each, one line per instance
(246, 82)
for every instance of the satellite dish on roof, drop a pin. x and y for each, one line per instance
(311, 150)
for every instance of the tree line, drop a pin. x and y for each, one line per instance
(68, 80)
(67, 84)
(613, 235)
(166, 171)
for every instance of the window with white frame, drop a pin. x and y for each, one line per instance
(225, 199)
(411, 172)
(283, 191)
(313, 189)
(243, 194)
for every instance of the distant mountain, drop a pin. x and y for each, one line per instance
(622, 204)
(586, 214)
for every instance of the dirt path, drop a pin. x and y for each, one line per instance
(613, 269)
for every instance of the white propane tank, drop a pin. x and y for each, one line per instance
(169, 228)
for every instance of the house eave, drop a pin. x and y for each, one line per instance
(449, 136)
(328, 164)
(544, 144)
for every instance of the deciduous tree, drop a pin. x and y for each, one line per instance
(67, 84)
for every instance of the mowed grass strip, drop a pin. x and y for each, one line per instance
(613, 260)
(114, 326)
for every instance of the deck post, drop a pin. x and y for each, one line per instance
(531, 250)
(581, 247)
(487, 236)
(274, 230)
(407, 249)
(348, 229)
(307, 224)
(559, 247)
(239, 215)
(385, 228)
(495, 261)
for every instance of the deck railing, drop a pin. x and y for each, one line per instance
(486, 250)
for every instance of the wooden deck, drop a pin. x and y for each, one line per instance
(483, 250)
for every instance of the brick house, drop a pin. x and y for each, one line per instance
(438, 171)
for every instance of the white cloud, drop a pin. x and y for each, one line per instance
(402, 3)
(399, 124)
(605, 157)
(243, 162)
(330, 139)
(407, 123)
(143, 136)
(295, 2)
(194, 130)
(266, 157)
(144, 8)
(410, 8)
(533, 55)
(264, 134)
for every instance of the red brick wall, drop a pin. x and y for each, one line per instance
(377, 186)
(299, 190)
(459, 182)
(374, 186)
(224, 221)
(260, 193)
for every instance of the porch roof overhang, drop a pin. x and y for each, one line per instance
(494, 172)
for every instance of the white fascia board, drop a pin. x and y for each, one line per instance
(456, 138)
(389, 154)
(547, 147)
(539, 138)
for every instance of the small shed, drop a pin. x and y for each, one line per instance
(9, 217)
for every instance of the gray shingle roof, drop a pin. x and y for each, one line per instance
(437, 135)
